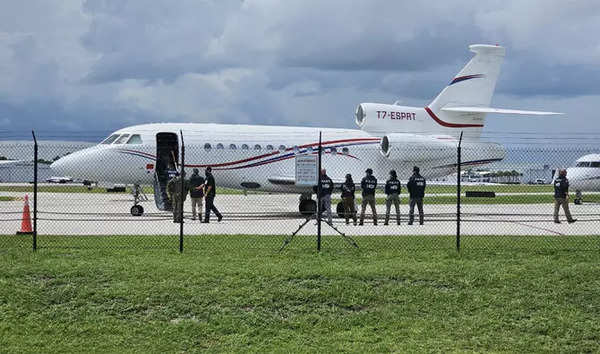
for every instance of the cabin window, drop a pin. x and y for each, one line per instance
(595, 164)
(110, 139)
(282, 147)
(270, 147)
(296, 149)
(122, 139)
(135, 139)
(233, 146)
(257, 147)
(207, 146)
(583, 164)
(220, 146)
(309, 149)
(333, 150)
(345, 150)
(245, 147)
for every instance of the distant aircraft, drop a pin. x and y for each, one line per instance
(59, 179)
(262, 157)
(584, 176)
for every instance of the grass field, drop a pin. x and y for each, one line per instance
(238, 294)
(6, 199)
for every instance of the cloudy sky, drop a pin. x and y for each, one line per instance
(77, 69)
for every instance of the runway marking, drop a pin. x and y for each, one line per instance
(539, 228)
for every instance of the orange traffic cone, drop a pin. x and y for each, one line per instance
(26, 221)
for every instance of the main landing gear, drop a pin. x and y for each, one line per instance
(138, 196)
(307, 206)
(578, 198)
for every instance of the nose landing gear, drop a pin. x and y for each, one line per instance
(138, 196)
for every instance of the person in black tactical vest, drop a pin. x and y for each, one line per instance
(210, 193)
(368, 185)
(561, 196)
(348, 190)
(416, 190)
(196, 193)
(392, 190)
(326, 190)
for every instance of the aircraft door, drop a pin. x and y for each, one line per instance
(167, 157)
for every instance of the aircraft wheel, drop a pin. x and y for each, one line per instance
(308, 207)
(341, 213)
(578, 201)
(137, 210)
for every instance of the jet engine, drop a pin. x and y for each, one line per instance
(411, 147)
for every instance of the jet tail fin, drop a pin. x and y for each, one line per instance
(474, 85)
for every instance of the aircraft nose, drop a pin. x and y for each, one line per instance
(62, 166)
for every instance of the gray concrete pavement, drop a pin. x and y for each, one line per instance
(108, 214)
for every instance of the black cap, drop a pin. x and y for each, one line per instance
(415, 169)
(393, 173)
(208, 169)
(195, 170)
(348, 176)
(369, 171)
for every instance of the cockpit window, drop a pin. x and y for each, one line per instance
(122, 139)
(135, 139)
(583, 164)
(110, 139)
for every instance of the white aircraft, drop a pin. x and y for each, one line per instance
(262, 157)
(584, 176)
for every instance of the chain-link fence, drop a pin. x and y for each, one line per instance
(122, 194)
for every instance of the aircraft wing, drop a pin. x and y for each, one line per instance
(290, 181)
(496, 110)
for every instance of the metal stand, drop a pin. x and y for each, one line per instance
(308, 219)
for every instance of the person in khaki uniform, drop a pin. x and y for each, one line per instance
(196, 193)
(561, 196)
(175, 195)
(348, 190)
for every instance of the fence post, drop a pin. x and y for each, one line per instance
(319, 197)
(35, 189)
(180, 201)
(458, 160)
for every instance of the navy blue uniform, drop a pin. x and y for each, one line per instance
(210, 199)
(368, 185)
(392, 189)
(416, 189)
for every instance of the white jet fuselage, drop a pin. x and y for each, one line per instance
(262, 157)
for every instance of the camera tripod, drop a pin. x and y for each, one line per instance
(306, 221)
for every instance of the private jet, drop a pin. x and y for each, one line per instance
(255, 157)
(584, 176)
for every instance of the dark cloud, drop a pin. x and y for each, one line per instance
(100, 65)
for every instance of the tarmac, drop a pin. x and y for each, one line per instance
(108, 214)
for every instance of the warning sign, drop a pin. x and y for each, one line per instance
(306, 170)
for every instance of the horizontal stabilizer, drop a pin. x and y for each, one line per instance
(496, 110)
